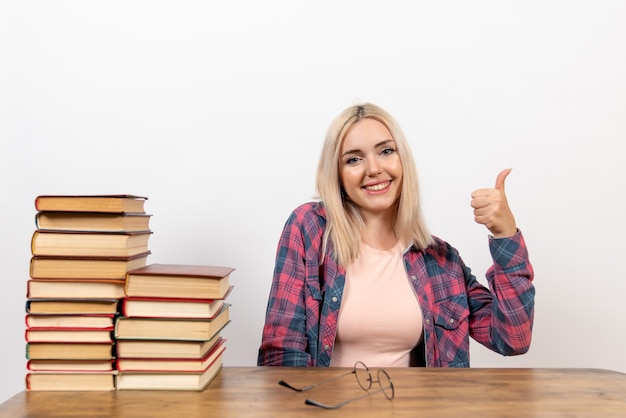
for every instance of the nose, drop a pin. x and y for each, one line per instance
(373, 167)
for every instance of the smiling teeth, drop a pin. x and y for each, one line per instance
(377, 187)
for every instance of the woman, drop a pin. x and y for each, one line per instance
(359, 277)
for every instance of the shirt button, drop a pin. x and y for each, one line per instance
(334, 299)
(451, 320)
(326, 346)
(413, 277)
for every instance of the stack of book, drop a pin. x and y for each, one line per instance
(168, 337)
(82, 248)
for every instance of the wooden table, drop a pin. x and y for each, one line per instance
(419, 392)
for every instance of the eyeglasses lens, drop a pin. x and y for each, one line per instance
(363, 375)
(386, 385)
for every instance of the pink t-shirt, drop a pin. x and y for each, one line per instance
(380, 320)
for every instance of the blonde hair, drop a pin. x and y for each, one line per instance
(344, 220)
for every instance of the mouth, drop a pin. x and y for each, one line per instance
(377, 187)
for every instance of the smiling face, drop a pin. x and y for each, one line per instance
(370, 168)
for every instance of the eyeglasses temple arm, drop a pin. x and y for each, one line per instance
(336, 406)
(309, 387)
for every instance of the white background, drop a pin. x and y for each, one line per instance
(216, 111)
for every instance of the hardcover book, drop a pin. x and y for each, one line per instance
(68, 267)
(70, 365)
(76, 289)
(73, 306)
(171, 328)
(92, 221)
(70, 381)
(69, 351)
(196, 381)
(69, 321)
(122, 203)
(171, 364)
(68, 335)
(89, 244)
(171, 308)
(179, 281)
(159, 349)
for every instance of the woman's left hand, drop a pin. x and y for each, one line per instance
(492, 209)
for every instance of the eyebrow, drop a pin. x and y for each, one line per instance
(356, 150)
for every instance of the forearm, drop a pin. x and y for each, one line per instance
(283, 340)
(505, 320)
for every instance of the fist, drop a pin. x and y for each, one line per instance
(492, 209)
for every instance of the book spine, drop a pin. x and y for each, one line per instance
(32, 242)
(123, 305)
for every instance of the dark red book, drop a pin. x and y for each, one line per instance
(171, 364)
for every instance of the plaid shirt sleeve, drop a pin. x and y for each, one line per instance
(285, 340)
(502, 319)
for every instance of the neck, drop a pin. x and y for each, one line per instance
(379, 233)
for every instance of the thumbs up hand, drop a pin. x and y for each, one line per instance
(492, 209)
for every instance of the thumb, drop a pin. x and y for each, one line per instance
(501, 178)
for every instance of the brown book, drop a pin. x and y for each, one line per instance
(171, 308)
(69, 321)
(179, 281)
(69, 351)
(73, 306)
(68, 335)
(89, 244)
(71, 381)
(196, 381)
(122, 203)
(78, 289)
(92, 221)
(171, 329)
(171, 364)
(70, 365)
(165, 348)
(47, 267)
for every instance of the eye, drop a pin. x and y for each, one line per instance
(387, 151)
(352, 160)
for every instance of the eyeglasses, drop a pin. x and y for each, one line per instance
(364, 379)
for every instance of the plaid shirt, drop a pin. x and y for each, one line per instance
(306, 294)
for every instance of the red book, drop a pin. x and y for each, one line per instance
(170, 380)
(171, 364)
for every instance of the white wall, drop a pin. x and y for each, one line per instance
(216, 111)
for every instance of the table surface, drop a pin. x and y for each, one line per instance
(254, 392)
